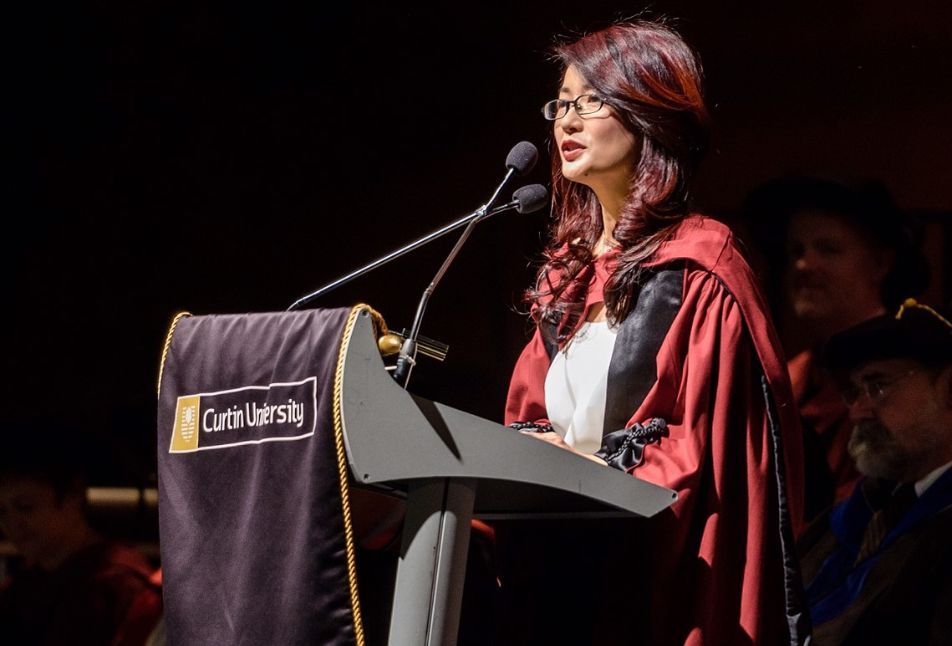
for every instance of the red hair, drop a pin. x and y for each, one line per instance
(652, 81)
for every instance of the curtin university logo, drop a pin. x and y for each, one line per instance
(278, 412)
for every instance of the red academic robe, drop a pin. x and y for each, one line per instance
(712, 569)
(826, 417)
(102, 595)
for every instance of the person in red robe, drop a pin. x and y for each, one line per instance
(655, 354)
(74, 586)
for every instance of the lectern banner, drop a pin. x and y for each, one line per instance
(254, 549)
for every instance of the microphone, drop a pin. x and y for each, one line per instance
(527, 199)
(520, 160)
(530, 198)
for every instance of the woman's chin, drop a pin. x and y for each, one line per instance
(575, 173)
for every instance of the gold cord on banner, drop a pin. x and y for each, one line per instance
(342, 461)
(165, 348)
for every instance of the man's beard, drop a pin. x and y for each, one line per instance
(876, 452)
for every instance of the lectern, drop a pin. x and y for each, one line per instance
(454, 466)
(261, 416)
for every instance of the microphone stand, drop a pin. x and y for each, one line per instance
(407, 358)
(476, 216)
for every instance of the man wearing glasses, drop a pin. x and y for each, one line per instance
(878, 567)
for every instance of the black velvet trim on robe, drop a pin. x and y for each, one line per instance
(633, 370)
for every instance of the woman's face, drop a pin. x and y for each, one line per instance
(596, 149)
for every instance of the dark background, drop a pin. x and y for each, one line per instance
(222, 157)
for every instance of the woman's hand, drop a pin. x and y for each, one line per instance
(556, 440)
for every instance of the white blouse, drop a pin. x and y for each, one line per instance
(576, 384)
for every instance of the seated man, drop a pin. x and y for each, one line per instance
(878, 566)
(75, 587)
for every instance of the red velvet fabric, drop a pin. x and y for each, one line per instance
(824, 412)
(101, 596)
(713, 561)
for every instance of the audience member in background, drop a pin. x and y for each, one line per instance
(75, 586)
(878, 568)
(848, 255)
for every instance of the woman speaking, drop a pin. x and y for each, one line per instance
(654, 353)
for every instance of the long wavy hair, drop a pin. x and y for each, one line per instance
(652, 81)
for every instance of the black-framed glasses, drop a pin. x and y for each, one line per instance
(875, 389)
(584, 104)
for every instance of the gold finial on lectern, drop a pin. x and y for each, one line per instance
(389, 344)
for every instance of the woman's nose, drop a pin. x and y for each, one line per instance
(571, 122)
